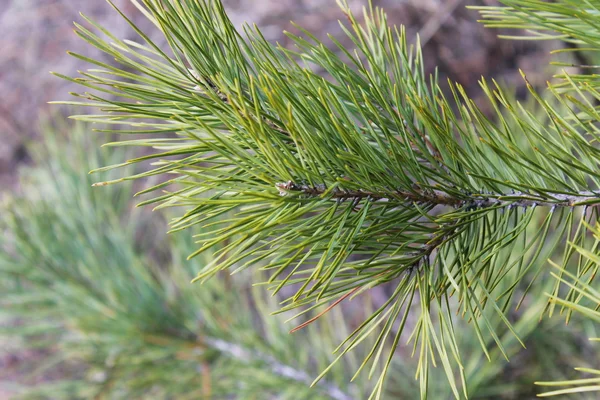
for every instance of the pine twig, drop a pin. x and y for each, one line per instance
(438, 197)
(240, 353)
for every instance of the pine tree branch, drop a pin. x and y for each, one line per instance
(378, 133)
(437, 197)
(240, 353)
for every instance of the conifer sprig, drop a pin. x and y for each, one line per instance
(241, 122)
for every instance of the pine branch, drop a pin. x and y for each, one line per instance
(378, 172)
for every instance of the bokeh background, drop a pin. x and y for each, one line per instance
(35, 35)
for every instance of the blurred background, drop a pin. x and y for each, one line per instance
(56, 254)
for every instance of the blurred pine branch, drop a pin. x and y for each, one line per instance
(77, 283)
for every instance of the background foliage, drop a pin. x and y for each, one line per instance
(123, 324)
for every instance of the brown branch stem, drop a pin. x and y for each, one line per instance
(438, 197)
